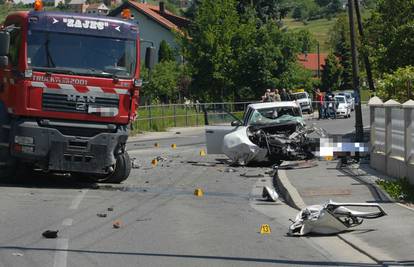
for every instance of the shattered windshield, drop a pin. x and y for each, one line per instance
(81, 54)
(275, 115)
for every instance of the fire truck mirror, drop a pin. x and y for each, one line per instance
(150, 57)
(4, 43)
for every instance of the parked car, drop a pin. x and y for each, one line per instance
(268, 132)
(304, 101)
(343, 108)
(349, 98)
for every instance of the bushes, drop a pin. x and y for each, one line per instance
(398, 85)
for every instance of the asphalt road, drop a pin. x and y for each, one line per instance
(161, 222)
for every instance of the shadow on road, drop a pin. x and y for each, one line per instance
(42, 180)
(209, 257)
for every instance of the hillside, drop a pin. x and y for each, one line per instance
(319, 28)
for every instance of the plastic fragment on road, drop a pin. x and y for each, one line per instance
(50, 233)
(202, 153)
(117, 224)
(102, 215)
(173, 146)
(265, 229)
(270, 194)
(111, 209)
(333, 218)
(198, 192)
(252, 175)
(299, 164)
(135, 164)
(17, 254)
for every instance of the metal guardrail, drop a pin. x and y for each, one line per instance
(183, 115)
(160, 117)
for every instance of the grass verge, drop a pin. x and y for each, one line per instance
(400, 190)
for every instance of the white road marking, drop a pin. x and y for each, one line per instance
(77, 200)
(61, 253)
(67, 222)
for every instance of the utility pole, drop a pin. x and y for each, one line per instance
(319, 62)
(365, 55)
(359, 128)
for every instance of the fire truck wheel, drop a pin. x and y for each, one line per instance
(122, 169)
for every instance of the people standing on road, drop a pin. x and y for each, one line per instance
(291, 96)
(276, 95)
(320, 104)
(267, 96)
(284, 95)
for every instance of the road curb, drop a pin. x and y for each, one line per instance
(293, 199)
(287, 190)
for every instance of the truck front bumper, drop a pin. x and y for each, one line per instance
(55, 151)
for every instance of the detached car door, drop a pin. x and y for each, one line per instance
(214, 137)
(220, 123)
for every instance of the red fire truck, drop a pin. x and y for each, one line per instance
(68, 90)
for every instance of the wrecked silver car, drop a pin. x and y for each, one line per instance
(272, 132)
(332, 217)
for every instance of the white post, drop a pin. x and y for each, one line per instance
(408, 131)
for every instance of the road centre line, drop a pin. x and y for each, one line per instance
(61, 253)
(77, 200)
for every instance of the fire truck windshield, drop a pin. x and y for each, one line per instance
(81, 54)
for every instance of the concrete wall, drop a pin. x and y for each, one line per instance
(152, 31)
(392, 138)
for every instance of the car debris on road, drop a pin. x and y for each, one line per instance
(270, 194)
(50, 233)
(332, 218)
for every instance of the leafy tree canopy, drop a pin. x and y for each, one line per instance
(391, 34)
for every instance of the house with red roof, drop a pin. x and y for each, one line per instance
(155, 23)
(310, 62)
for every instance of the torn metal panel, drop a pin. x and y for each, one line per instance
(238, 147)
(283, 141)
(332, 218)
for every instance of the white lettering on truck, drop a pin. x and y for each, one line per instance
(85, 24)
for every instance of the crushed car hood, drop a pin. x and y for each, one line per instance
(270, 142)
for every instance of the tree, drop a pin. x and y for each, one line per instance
(306, 41)
(398, 85)
(209, 49)
(390, 34)
(266, 10)
(331, 73)
(165, 52)
(342, 50)
(163, 84)
(298, 13)
(236, 56)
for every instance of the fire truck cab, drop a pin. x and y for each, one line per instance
(68, 90)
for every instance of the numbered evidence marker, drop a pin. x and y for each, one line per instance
(265, 229)
(328, 158)
(154, 162)
(198, 192)
(156, 145)
(202, 152)
(173, 146)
